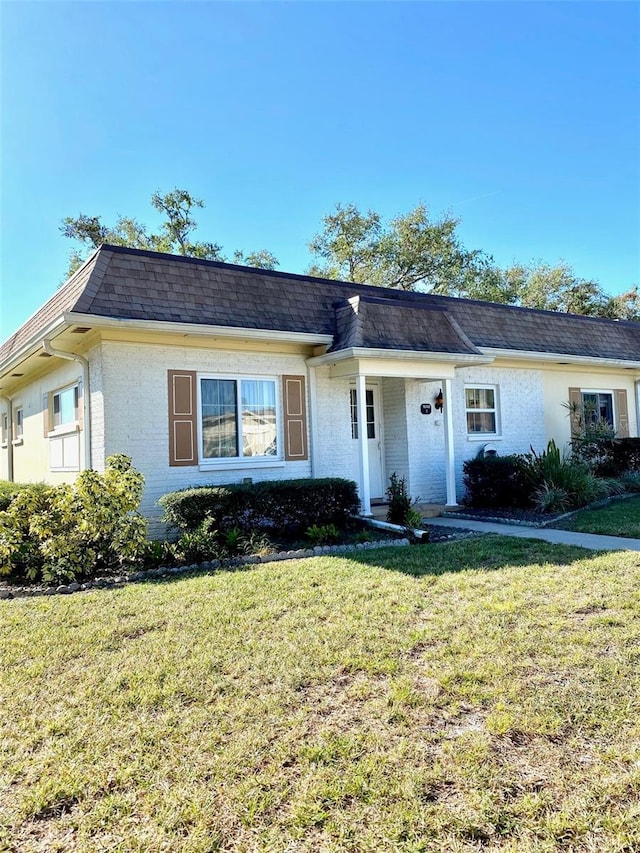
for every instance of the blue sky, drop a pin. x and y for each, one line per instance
(521, 118)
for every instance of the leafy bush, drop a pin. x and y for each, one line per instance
(496, 481)
(8, 491)
(552, 471)
(57, 533)
(631, 481)
(323, 534)
(209, 543)
(547, 498)
(608, 457)
(399, 501)
(281, 505)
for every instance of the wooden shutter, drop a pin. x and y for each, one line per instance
(45, 415)
(622, 413)
(575, 411)
(182, 418)
(294, 405)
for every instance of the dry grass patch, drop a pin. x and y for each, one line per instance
(483, 695)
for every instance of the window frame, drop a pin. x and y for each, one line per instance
(226, 462)
(483, 436)
(69, 426)
(598, 392)
(4, 429)
(18, 426)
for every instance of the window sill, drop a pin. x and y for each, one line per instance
(486, 436)
(67, 429)
(16, 442)
(240, 464)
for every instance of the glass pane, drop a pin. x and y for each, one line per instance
(371, 417)
(605, 405)
(480, 398)
(64, 407)
(481, 422)
(219, 418)
(258, 417)
(354, 414)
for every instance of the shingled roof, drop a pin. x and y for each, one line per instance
(123, 283)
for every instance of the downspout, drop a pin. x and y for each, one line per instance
(9, 403)
(637, 384)
(86, 401)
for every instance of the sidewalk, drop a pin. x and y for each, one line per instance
(559, 537)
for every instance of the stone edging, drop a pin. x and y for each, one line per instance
(206, 566)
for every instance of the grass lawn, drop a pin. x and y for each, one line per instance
(620, 518)
(481, 695)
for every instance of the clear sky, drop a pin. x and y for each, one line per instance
(522, 118)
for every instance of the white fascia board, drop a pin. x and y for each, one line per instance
(585, 360)
(199, 329)
(32, 345)
(399, 354)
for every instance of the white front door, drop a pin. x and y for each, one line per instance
(374, 439)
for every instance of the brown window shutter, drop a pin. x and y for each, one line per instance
(294, 405)
(576, 416)
(182, 418)
(45, 415)
(622, 413)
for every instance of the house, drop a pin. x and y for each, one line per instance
(205, 372)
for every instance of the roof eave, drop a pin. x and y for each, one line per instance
(420, 355)
(32, 345)
(560, 357)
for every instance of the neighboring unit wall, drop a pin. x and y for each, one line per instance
(331, 410)
(31, 455)
(556, 395)
(136, 413)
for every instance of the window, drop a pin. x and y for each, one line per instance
(597, 407)
(371, 418)
(4, 424)
(481, 410)
(19, 426)
(65, 408)
(238, 418)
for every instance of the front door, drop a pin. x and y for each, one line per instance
(374, 438)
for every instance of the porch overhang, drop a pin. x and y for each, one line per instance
(410, 364)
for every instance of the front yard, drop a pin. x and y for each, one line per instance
(483, 695)
(620, 518)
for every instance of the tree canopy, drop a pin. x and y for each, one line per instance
(175, 234)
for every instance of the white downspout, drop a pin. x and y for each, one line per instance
(450, 461)
(9, 403)
(72, 356)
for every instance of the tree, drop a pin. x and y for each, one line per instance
(174, 235)
(411, 253)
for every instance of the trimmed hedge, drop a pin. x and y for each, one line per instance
(496, 481)
(285, 505)
(618, 456)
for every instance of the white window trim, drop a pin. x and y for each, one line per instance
(484, 436)
(241, 462)
(4, 430)
(63, 429)
(19, 439)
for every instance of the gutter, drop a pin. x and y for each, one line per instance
(9, 403)
(404, 354)
(86, 396)
(561, 358)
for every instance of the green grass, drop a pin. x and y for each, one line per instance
(481, 695)
(620, 518)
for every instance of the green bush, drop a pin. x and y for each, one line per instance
(608, 457)
(8, 491)
(323, 534)
(496, 481)
(551, 472)
(286, 506)
(399, 500)
(56, 533)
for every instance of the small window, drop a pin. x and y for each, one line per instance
(65, 408)
(19, 425)
(370, 412)
(238, 418)
(4, 430)
(481, 410)
(597, 407)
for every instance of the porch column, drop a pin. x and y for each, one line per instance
(363, 445)
(450, 462)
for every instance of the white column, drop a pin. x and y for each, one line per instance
(450, 461)
(363, 445)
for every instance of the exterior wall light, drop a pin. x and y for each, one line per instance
(439, 402)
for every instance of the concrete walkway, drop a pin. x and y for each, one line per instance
(559, 537)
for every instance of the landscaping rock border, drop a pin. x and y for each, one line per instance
(206, 566)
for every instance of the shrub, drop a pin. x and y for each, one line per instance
(323, 534)
(398, 498)
(209, 543)
(280, 505)
(552, 471)
(8, 491)
(59, 533)
(611, 457)
(495, 481)
(631, 481)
